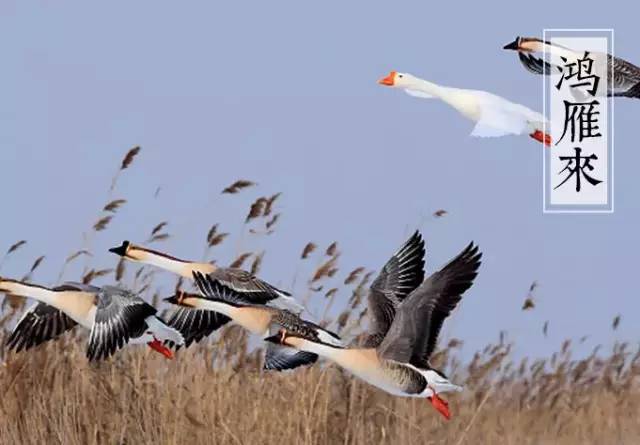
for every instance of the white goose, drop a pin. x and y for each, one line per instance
(114, 316)
(494, 115)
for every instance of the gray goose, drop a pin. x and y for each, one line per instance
(626, 76)
(258, 319)
(114, 316)
(399, 364)
(401, 274)
(198, 324)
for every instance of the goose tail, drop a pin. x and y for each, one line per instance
(162, 332)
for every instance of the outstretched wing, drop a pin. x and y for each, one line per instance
(398, 278)
(634, 91)
(255, 290)
(414, 332)
(196, 324)
(537, 65)
(626, 77)
(215, 289)
(120, 316)
(282, 358)
(496, 121)
(40, 323)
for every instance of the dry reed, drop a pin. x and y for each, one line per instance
(216, 393)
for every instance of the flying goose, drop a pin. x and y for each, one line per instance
(257, 318)
(401, 274)
(114, 316)
(399, 364)
(626, 76)
(197, 324)
(494, 115)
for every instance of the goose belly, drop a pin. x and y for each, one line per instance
(83, 315)
(393, 378)
(466, 104)
(255, 320)
(382, 381)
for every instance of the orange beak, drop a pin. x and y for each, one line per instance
(157, 346)
(441, 405)
(390, 80)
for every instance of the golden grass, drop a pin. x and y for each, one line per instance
(216, 392)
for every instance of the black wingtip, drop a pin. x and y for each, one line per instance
(469, 260)
(122, 249)
(212, 288)
(40, 324)
(196, 324)
(417, 240)
(300, 358)
(415, 246)
(411, 256)
(472, 253)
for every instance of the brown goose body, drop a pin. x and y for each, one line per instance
(197, 323)
(398, 360)
(114, 316)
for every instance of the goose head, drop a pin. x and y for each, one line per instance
(514, 46)
(398, 80)
(132, 252)
(3, 285)
(122, 249)
(186, 299)
(8, 285)
(526, 45)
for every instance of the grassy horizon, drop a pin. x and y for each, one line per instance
(217, 393)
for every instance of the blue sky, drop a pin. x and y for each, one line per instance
(285, 93)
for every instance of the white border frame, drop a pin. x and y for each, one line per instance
(612, 132)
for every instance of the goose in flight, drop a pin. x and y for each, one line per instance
(114, 316)
(197, 324)
(626, 76)
(401, 274)
(494, 115)
(216, 295)
(399, 362)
